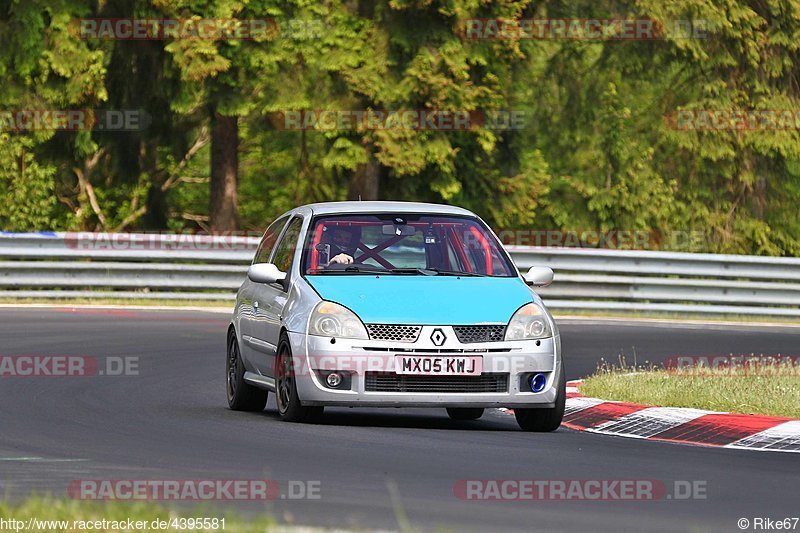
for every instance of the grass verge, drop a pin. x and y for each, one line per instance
(749, 389)
(61, 515)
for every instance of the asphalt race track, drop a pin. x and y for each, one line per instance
(376, 468)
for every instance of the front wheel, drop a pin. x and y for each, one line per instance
(241, 395)
(289, 406)
(465, 413)
(542, 420)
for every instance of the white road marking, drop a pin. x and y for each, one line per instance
(649, 422)
(41, 460)
(579, 404)
(781, 438)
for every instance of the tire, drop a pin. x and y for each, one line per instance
(465, 413)
(289, 407)
(241, 395)
(543, 420)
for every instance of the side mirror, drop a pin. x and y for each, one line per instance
(539, 276)
(265, 273)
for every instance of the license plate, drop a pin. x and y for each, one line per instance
(438, 365)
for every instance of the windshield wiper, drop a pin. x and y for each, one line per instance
(351, 269)
(456, 273)
(423, 271)
(435, 272)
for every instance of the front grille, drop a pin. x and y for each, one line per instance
(391, 332)
(403, 349)
(388, 382)
(470, 334)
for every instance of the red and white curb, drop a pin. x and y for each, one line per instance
(677, 424)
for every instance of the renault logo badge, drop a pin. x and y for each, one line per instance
(438, 337)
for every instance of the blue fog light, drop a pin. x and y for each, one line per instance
(538, 382)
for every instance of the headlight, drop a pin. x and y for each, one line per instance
(529, 322)
(332, 320)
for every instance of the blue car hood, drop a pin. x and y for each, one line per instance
(425, 300)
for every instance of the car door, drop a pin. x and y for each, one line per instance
(247, 326)
(270, 299)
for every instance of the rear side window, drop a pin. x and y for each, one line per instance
(284, 253)
(269, 240)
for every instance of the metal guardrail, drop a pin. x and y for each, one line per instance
(84, 265)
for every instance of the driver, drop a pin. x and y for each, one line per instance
(344, 243)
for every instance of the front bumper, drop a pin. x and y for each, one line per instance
(363, 361)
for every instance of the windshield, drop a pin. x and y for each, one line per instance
(404, 244)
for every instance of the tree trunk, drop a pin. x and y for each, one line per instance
(365, 183)
(155, 217)
(224, 209)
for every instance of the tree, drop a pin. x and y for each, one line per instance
(43, 67)
(222, 77)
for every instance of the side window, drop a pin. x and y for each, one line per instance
(284, 253)
(268, 242)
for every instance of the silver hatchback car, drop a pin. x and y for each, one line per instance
(392, 304)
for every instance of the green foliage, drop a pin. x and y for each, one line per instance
(26, 186)
(597, 150)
